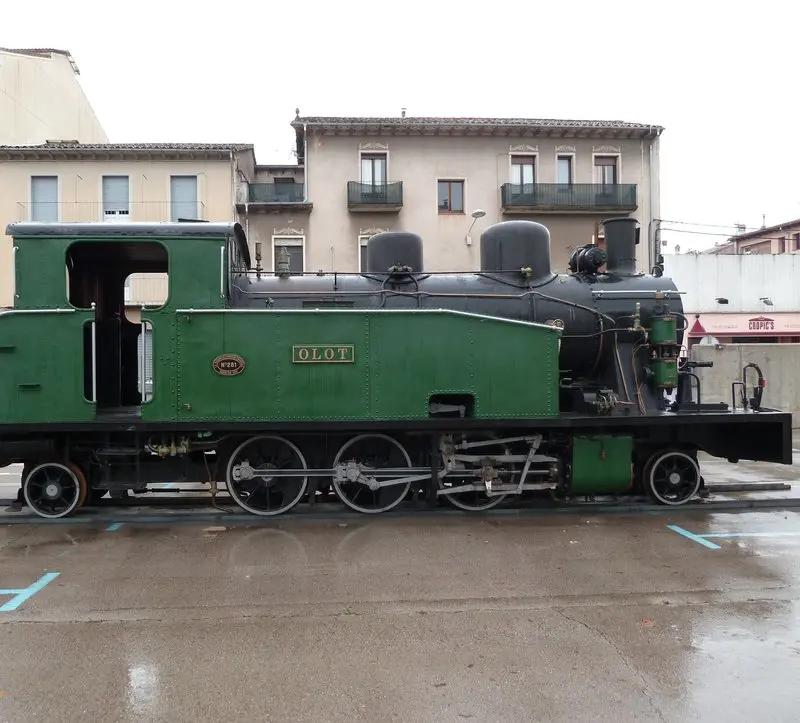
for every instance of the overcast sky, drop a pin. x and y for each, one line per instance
(720, 80)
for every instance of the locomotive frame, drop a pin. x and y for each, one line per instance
(471, 387)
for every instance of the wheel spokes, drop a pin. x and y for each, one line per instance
(362, 459)
(54, 489)
(250, 483)
(674, 478)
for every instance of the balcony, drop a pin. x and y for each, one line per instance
(89, 211)
(567, 197)
(367, 197)
(272, 197)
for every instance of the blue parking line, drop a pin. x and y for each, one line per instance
(23, 594)
(692, 536)
(778, 533)
(114, 526)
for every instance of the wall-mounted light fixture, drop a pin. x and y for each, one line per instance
(476, 214)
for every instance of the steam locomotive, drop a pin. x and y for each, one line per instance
(508, 383)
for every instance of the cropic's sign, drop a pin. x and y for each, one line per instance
(780, 324)
(761, 323)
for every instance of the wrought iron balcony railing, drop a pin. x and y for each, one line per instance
(386, 195)
(276, 193)
(568, 196)
(84, 211)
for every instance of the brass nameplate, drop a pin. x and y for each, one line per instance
(228, 365)
(323, 354)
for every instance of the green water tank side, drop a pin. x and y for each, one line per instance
(601, 464)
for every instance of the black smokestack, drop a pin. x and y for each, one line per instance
(621, 239)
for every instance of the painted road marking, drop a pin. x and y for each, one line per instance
(696, 538)
(787, 533)
(114, 526)
(705, 539)
(23, 594)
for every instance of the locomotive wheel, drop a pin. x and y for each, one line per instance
(82, 478)
(373, 452)
(474, 500)
(672, 477)
(249, 481)
(54, 489)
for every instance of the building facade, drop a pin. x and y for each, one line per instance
(783, 238)
(445, 179)
(358, 176)
(41, 99)
(738, 299)
(118, 182)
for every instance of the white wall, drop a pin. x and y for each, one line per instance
(41, 99)
(778, 362)
(741, 279)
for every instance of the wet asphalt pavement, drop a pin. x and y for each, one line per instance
(579, 618)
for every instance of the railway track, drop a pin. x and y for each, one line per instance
(197, 508)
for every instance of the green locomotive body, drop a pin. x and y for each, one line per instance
(377, 389)
(361, 365)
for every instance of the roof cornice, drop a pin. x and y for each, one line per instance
(124, 151)
(504, 127)
(785, 226)
(44, 53)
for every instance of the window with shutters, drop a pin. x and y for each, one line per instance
(523, 171)
(373, 169)
(451, 196)
(606, 170)
(116, 198)
(289, 249)
(564, 170)
(183, 198)
(44, 198)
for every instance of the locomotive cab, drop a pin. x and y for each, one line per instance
(94, 354)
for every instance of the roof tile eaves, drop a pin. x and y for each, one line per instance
(132, 147)
(749, 235)
(512, 122)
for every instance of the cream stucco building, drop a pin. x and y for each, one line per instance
(41, 99)
(114, 183)
(354, 177)
(358, 176)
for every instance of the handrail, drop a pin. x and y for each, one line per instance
(144, 356)
(222, 272)
(94, 354)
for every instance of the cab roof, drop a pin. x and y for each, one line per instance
(100, 229)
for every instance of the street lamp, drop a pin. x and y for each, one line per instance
(476, 214)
